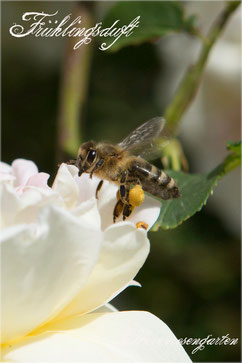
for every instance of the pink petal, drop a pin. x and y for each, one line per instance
(38, 180)
(23, 170)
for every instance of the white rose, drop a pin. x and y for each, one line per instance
(63, 260)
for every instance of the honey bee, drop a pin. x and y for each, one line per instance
(124, 165)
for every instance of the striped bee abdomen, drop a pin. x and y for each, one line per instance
(154, 180)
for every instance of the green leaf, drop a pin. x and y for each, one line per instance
(156, 19)
(195, 190)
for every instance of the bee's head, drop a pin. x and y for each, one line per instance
(87, 156)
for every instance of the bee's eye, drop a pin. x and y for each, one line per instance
(91, 156)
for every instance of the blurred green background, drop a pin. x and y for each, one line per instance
(191, 279)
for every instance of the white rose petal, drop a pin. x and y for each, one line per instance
(43, 268)
(65, 185)
(6, 173)
(89, 213)
(148, 212)
(102, 337)
(124, 251)
(5, 168)
(87, 186)
(63, 258)
(107, 308)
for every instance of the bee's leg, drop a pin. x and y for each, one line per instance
(124, 188)
(123, 204)
(118, 209)
(99, 187)
(127, 210)
(98, 165)
(124, 193)
(124, 197)
(133, 200)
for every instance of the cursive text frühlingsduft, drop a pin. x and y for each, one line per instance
(41, 24)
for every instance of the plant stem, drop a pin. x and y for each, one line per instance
(73, 89)
(231, 162)
(190, 82)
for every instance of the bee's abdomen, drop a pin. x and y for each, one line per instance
(155, 181)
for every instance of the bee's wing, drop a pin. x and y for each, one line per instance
(141, 141)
